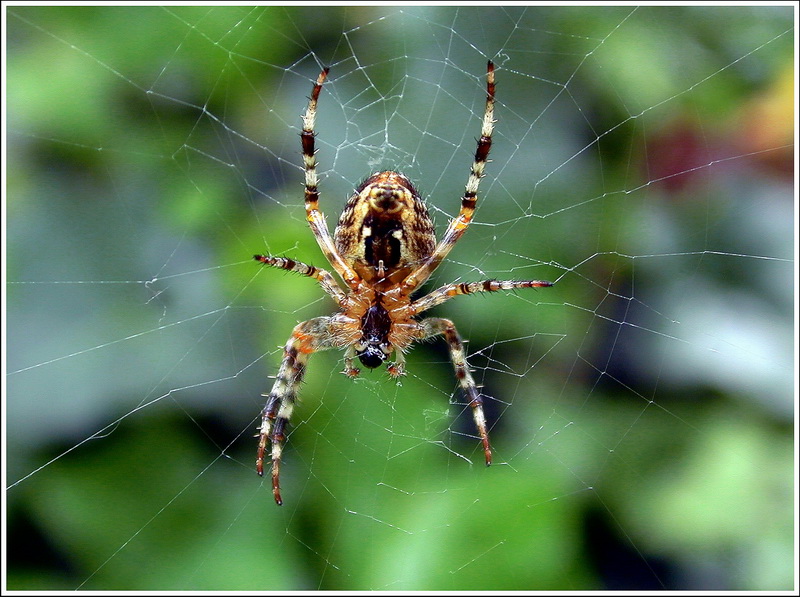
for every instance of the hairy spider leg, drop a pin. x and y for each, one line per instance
(434, 326)
(307, 337)
(445, 293)
(325, 279)
(315, 217)
(460, 223)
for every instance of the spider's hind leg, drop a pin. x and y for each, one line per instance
(469, 200)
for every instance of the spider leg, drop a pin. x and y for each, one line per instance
(316, 219)
(307, 337)
(325, 279)
(433, 326)
(350, 370)
(460, 223)
(445, 293)
(397, 369)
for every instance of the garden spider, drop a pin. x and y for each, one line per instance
(384, 248)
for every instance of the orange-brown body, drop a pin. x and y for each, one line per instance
(383, 234)
(383, 249)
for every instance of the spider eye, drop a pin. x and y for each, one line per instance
(372, 357)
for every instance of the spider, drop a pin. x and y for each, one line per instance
(384, 248)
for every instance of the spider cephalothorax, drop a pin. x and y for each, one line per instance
(384, 248)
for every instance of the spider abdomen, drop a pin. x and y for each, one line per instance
(385, 229)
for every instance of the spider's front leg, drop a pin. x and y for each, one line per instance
(434, 326)
(350, 370)
(307, 337)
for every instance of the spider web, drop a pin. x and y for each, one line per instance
(641, 410)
